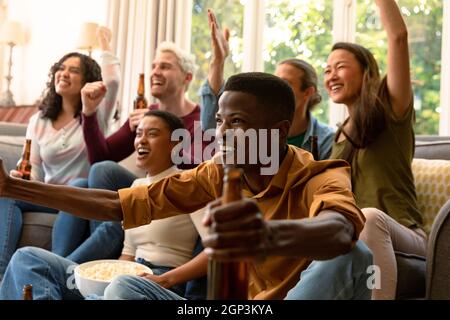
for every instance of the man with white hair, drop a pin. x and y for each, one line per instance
(172, 71)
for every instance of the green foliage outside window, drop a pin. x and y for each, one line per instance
(424, 21)
(300, 29)
(230, 13)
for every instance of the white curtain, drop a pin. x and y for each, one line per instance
(3, 12)
(138, 27)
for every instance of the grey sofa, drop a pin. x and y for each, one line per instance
(37, 227)
(415, 274)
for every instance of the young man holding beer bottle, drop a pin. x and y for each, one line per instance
(303, 211)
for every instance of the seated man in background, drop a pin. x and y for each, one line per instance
(303, 210)
(163, 246)
(299, 74)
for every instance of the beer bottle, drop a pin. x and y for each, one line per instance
(24, 165)
(27, 292)
(141, 102)
(314, 147)
(228, 280)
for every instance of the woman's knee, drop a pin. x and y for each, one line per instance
(102, 169)
(374, 217)
(24, 256)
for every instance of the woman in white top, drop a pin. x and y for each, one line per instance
(58, 152)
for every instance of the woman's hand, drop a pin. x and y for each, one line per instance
(91, 96)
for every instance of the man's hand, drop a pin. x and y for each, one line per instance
(237, 231)
(136, 117)
(16, 174)
(91, 96)
(220, 51)
(3, 178)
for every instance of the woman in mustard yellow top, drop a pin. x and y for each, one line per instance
(378, 141)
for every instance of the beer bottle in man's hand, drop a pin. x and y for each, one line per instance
(141, 102)
(24, 164)
(228, 280)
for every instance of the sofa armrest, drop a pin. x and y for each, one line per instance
(12, 129)
(37, 230)
(438, 253)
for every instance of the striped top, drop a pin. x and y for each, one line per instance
(59, 156)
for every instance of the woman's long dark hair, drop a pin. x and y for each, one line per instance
(51, 104)
(369, 115)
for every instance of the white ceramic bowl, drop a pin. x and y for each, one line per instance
(94, 276)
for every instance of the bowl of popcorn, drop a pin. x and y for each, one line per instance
(94, 276)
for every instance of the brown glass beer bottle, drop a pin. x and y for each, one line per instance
(27, 292)
(228, 280)
(314, 147)
(141, 102)
(24, 165)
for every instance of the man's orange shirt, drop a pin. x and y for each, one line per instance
(301, 189)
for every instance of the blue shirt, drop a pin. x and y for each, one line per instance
(324, 133)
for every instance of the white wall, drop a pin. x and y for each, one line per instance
(54, 27)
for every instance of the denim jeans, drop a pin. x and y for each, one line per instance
(11, 226)
(51, 276)
(342, 278)
(82, 240)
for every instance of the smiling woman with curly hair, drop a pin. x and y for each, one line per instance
(58, 150)
(52, 102)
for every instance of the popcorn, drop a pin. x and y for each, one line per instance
(106, 271)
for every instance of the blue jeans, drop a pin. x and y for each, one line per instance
(11, 227)
(51, 276)
(82, 240)
(342, 278)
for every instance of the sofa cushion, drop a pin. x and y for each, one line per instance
(37, 230)
(432, 180)
(432, 148)
(410, 276)
(10, 150)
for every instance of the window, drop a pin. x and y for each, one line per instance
(424, 19)
(229, 14)
(299, 29)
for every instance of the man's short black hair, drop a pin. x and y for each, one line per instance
(273, 93)
(172, 121)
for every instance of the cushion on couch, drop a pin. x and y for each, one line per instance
(11, 150)
(37, 230)
(432, 180)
